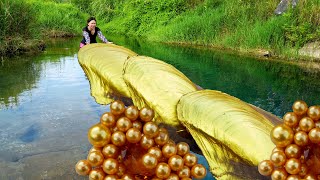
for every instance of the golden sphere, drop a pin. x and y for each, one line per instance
(128, 177)
(190, 159)
(137, 124)
(182, 148)
(146, 142)
(293, 151)
(300, 107)
(117, 107)
(95, 149)
(184, 172)
(96, 174)
(83, 167)
(149, 161)
(277, 149)
(121, 170)
(108, 119)
(169, 150)
(198, 171)
(123, 124)
(314, 135)
(132, 113)
(293, 166)
(265, 167)
(146, 114)
(110, 166)
(282, 135)
(118, 138)
(301, 138)
(279, 174)
(151, 129)
(133, 135)
(111, 151)
(176, 162)
(162, 138)
(314, 112)
(163, 170)
(306, 124)
(173, 176)
(303, 170)
(317, 124)
(155, 151)
(293, 177)
(186, 178)
(278, 158)
(310, 177)
(95, 158)
(111, 177)
(99, 135)
(290, 119)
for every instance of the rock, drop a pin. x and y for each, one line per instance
(311, 50)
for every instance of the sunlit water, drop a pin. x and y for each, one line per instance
(46, 107)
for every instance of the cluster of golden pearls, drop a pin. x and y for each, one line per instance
(128, 145)
(297, 152)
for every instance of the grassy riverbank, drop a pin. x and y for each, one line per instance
(25, 24)
(243, 26)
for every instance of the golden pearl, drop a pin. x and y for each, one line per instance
(127, 177)
(95, 158)
(121, 170)
(169, 150)
(151, 129)
(277, 149)
(133, 135)
(162, 138)
(108, 119)
(278, 158)
(146, 114)
(314, 112)
(111, 177)
(265, 167)
(163, 170)
(279, 174)
(290, 119)
(96, 174)
(99, 135)
(176, 162)
(293, 177)
(132, 113)
(95, 149)
(317, 124)
(184, 172)
(110, 166)
(173, 176)
(301, 138)
(198, 171)
(310, 177)
(190, 159)
(300, 107)
(137, 124)
(155, 151)
(314, 135)
(303, 170)
(111, 151)
(83, 167)
(117, 107)
(123, 124)
(146, 142)
(293, 151)
(293, 166)
(282, 135)
(118, 138)
(185, 178)
(306, 124)
(149, 161)
(182, 148)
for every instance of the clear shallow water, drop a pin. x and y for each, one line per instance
(46, 107)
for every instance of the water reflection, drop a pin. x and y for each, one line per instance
(273, 86)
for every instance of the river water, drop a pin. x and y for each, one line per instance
(46, 107)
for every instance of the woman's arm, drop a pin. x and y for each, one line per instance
(101, 36)
(86, 36)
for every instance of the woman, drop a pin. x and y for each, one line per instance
(90, 33)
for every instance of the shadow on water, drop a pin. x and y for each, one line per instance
(270, 85)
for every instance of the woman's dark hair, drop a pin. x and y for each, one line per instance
(90, 19)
